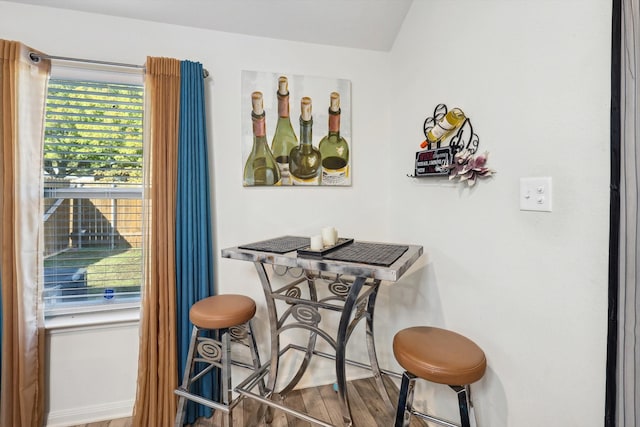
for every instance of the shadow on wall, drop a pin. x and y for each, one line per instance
(489, 399)
(413, 300)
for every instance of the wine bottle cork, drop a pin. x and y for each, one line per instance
(305, 108)
(335, 102)
(256, 101)
(283, 86)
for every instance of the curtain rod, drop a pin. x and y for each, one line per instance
(36, 57)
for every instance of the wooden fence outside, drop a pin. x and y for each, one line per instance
(83, 222)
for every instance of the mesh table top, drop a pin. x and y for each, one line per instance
(368, 253)
(377, 260)
(279, 245)
(380, 254)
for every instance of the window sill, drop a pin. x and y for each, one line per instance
(114, 316)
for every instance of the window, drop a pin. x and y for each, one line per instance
(92, 195)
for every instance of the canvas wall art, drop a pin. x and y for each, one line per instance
(296, 130)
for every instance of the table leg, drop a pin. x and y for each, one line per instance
(371, 346)
(311, 344)
(275, 337)
(341, 344)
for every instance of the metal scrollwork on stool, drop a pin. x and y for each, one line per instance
(209, 349)
(238, 333)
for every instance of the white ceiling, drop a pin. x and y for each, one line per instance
(364, 24)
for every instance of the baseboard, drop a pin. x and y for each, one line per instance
(90, 414)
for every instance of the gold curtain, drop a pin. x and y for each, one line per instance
(23, 88)
(157, 364)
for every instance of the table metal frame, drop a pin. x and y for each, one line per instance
(353, 291)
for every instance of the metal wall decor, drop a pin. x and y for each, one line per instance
(450, 148)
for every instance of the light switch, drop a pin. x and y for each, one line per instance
(535, 194)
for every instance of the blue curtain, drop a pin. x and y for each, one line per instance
(194, 260)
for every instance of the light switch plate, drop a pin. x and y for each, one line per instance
(535, 194)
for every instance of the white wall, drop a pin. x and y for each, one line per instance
(530, 288)
(91, 372)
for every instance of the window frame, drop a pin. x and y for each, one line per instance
(124, 307)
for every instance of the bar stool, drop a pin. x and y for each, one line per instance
(439, 356)
(228, 317)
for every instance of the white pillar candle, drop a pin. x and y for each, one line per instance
(316, 243)
(328, 236)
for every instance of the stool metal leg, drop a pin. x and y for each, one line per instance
(472, 412)
(463, 404)
(186, 378)
(405, 400)
(220, 358)
(226, 391)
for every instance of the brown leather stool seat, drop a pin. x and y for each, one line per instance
(222, 311)
(218, 322)
(440, 356)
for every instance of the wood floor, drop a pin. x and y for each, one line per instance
(368, 409)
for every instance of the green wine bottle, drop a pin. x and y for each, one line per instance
(305, 160)
(261, 168)
(284, 140)
(334, 148)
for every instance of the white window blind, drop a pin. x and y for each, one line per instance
(92, 195)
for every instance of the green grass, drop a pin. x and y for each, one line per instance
(106, 268)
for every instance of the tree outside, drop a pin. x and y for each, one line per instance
(92, 152)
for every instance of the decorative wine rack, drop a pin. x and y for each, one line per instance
(436, 159)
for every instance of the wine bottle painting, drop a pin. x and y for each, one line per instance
(296, 130)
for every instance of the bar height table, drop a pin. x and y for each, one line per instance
(353, 271)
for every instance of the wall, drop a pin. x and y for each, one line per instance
(530, 288)
(91, 372)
